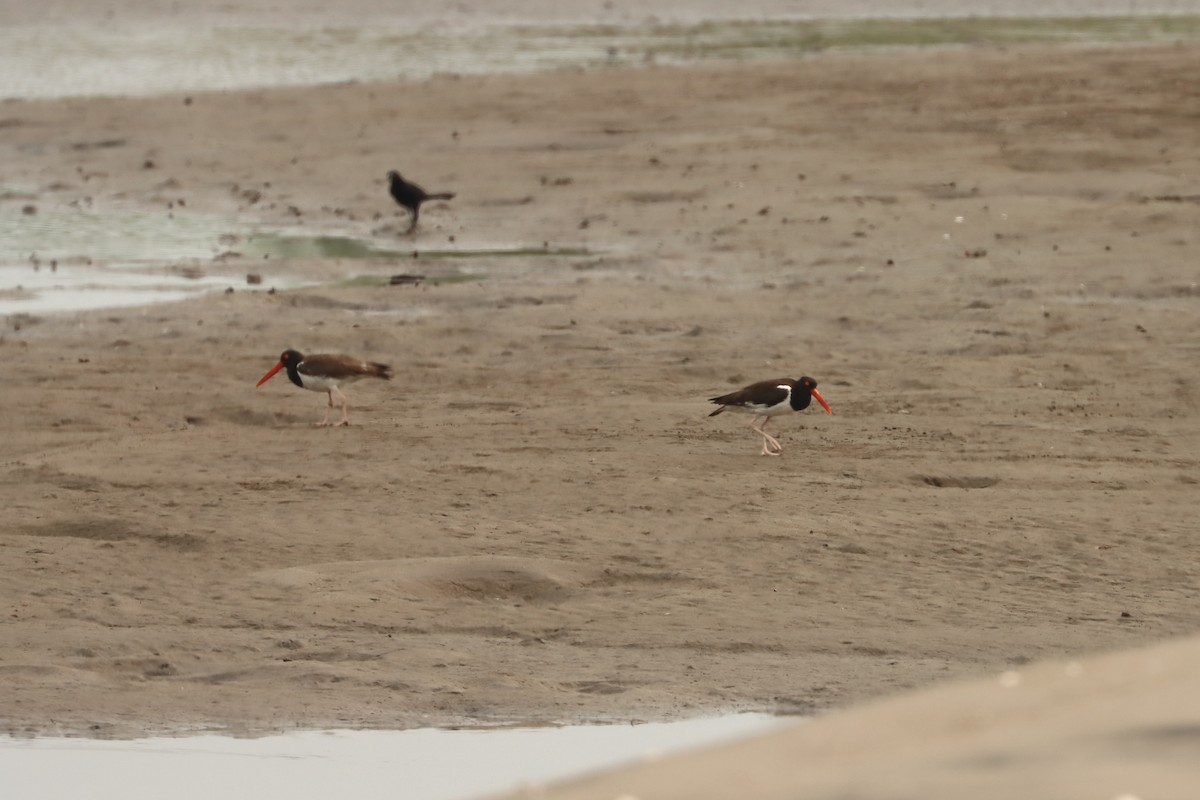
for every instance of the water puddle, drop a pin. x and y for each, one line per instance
(72, 259)
(431, 764)
(283, 245)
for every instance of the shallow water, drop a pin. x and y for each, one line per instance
(72, 259)
(65, 60)
(122, 233)
(24, 290)
(430, 764)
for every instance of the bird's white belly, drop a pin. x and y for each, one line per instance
(761, 410)
(776, 410)
(318, 383)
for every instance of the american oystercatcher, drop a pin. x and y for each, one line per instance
(323, 373)
(767, 399)
(410, 196)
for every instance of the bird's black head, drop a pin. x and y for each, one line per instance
(803, 393)
(291, 361)
(393, 176)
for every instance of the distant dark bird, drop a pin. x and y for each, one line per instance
(410, 196)
(323, 373)
(768, 399)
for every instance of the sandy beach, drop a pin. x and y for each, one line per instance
(985, 256)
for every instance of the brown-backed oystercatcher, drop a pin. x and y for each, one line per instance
(323, 373)
(767, 399)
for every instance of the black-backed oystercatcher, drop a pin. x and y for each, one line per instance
(323, 373)
(767, 399)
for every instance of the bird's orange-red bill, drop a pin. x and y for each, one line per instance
(815, 394)
(279, 366)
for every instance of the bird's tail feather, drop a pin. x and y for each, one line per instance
(378, 370)
(718, 411)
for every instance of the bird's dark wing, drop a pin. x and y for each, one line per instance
(763, 394)
(338, 367)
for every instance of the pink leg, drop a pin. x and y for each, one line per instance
(771, 445)
(325, 420)
(775, 445)
(345, 405)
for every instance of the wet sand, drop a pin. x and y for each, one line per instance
(1121, 726)
(985, 257)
